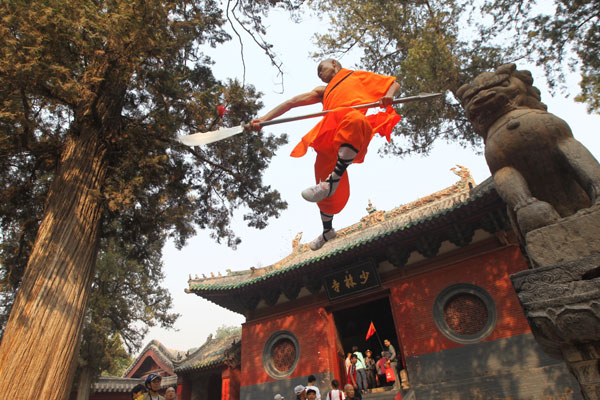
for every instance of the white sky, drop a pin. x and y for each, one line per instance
(388, 182)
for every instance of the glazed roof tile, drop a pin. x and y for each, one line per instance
(212, 353)
(374, 226)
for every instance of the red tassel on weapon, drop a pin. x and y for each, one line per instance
(222, 109)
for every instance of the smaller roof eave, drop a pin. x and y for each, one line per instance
(201, 366)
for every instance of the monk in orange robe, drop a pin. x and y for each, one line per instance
(342, 137)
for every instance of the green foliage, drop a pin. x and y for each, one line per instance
(438, 45)
(560, 36)
(133, 73)
(119, 358)
(419, 43)
(126, 298)
(224, 331)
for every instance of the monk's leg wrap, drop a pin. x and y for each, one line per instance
(328, 232)
(346, 154)
(326, 188)
(341, 165)
(349, 146)
(327, 220)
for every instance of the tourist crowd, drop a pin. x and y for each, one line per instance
(150, 389)
(363, 372)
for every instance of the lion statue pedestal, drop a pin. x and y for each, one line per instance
(551, 185)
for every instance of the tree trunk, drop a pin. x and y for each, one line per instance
(41, 340)
(85, 382)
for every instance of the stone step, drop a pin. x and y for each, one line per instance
(380, 394)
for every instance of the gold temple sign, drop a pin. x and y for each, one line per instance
(364, 276)
(353, 279)
(335, 285)
(349, 281)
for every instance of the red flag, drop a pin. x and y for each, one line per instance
(222, 109)
(371, 331)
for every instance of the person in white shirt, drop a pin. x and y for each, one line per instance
(361, 370)
(311, 385)
(335, 393)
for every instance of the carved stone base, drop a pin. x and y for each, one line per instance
(571, 238)
(562, 305)
(583, 363)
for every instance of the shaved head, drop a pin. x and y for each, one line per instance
(327, 69)
(329, 61)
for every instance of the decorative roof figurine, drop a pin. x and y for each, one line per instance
(371, 208)
(296, 241)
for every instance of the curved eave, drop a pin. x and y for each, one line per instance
(200, 367)
(428, 223)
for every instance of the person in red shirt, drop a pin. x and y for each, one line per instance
(342, 137)
(381, 365)
(351, 373)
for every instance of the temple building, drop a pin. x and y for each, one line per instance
(432, 276)
(211, 371)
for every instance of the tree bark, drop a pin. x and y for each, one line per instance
(85, 382)
(41, 340)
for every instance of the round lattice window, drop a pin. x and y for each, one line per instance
(281, 354)
(465, 313)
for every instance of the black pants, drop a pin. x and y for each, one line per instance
(382, 380)
(372, 382)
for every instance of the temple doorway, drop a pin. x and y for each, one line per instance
(353, 323)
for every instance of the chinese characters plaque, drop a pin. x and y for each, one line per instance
(352, 280)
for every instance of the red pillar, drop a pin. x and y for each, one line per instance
(225, 389)
(335, 367)
(184, 388)
(230, 378)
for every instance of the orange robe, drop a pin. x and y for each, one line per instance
(346, 125)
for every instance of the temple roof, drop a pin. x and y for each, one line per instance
(169, 357)
(375, 225)
(452, 214)
(214, 352)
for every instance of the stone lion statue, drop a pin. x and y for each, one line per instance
(539, 169)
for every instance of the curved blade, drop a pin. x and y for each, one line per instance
(198, 139)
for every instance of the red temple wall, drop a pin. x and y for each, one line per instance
(313, 327)
(412, 299)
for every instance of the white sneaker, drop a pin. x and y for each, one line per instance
(320, 191)
(322, 239)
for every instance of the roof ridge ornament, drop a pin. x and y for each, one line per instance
(296, 241)
(371, 208)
